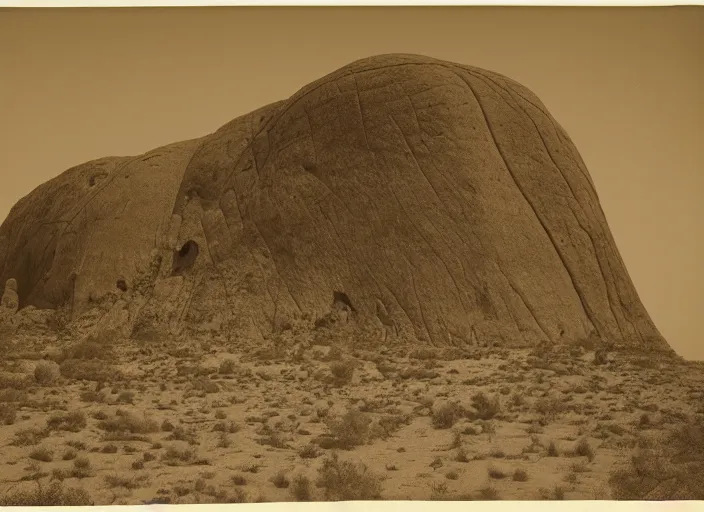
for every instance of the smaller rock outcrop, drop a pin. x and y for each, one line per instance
(10, 300)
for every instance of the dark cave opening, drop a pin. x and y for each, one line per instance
(121, 285)
(342, 298)
(185, 257)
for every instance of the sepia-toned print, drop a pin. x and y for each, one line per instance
(396, 284)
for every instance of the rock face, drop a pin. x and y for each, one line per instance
(441, 200)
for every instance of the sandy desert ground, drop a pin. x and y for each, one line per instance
(123, 422)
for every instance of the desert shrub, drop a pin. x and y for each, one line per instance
(346, 481)
(126, 397)
(558, 493)
(520, 475)
(109, 448)
(91, 370)
(46, 374)
(342, 372)
(238, 480)
(173, 456)
(309, 451)
(91, 396)
(8, 414)
(584, 449)
(85, 350)
(486, 408)
(301, 488)
(206, 386)
(351, 430)
(72, 422)
(423, 354)
(69, 454)
(488, 494)
(181, 434)
(552, 450)
(462, 456)
(672, 469)
(227, 367)
(273, 439)
(418, 373)
(496, 473)
(447, 415)
(388, 424)
(82, 468)
(549, 409)
(129, 483)
(54, 495)
(280, 480)
(128, 423)
(11, 381)
(42, 454)
(29, 436)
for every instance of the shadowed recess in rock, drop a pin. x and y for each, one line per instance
(185, 257)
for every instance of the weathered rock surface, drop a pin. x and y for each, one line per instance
(441, 200)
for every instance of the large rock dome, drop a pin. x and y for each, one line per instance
(440, 199)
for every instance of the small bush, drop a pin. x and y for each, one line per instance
(486, 407)
(46, 374)
(584, 449)
(41, 454)
(488, 494)
(173, 456)
(81, 468)
(496, 473)
(446, 416)
(8, 414)
(351, 430)
(301, 488)
(129, 483)
(549, 409)
(71, 422)
(346, 481)
(29, 436)
(91, 370)
(227, 367)
(309, 451)
(54, 495)
(239, 480)
(126, 397)
(462, 456)
(520, 475)
(552, 450)
(342, 372)
(127, 423)
(92, 397)
(670, 470)
(280, 480)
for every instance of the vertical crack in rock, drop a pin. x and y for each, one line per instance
(587, 310)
